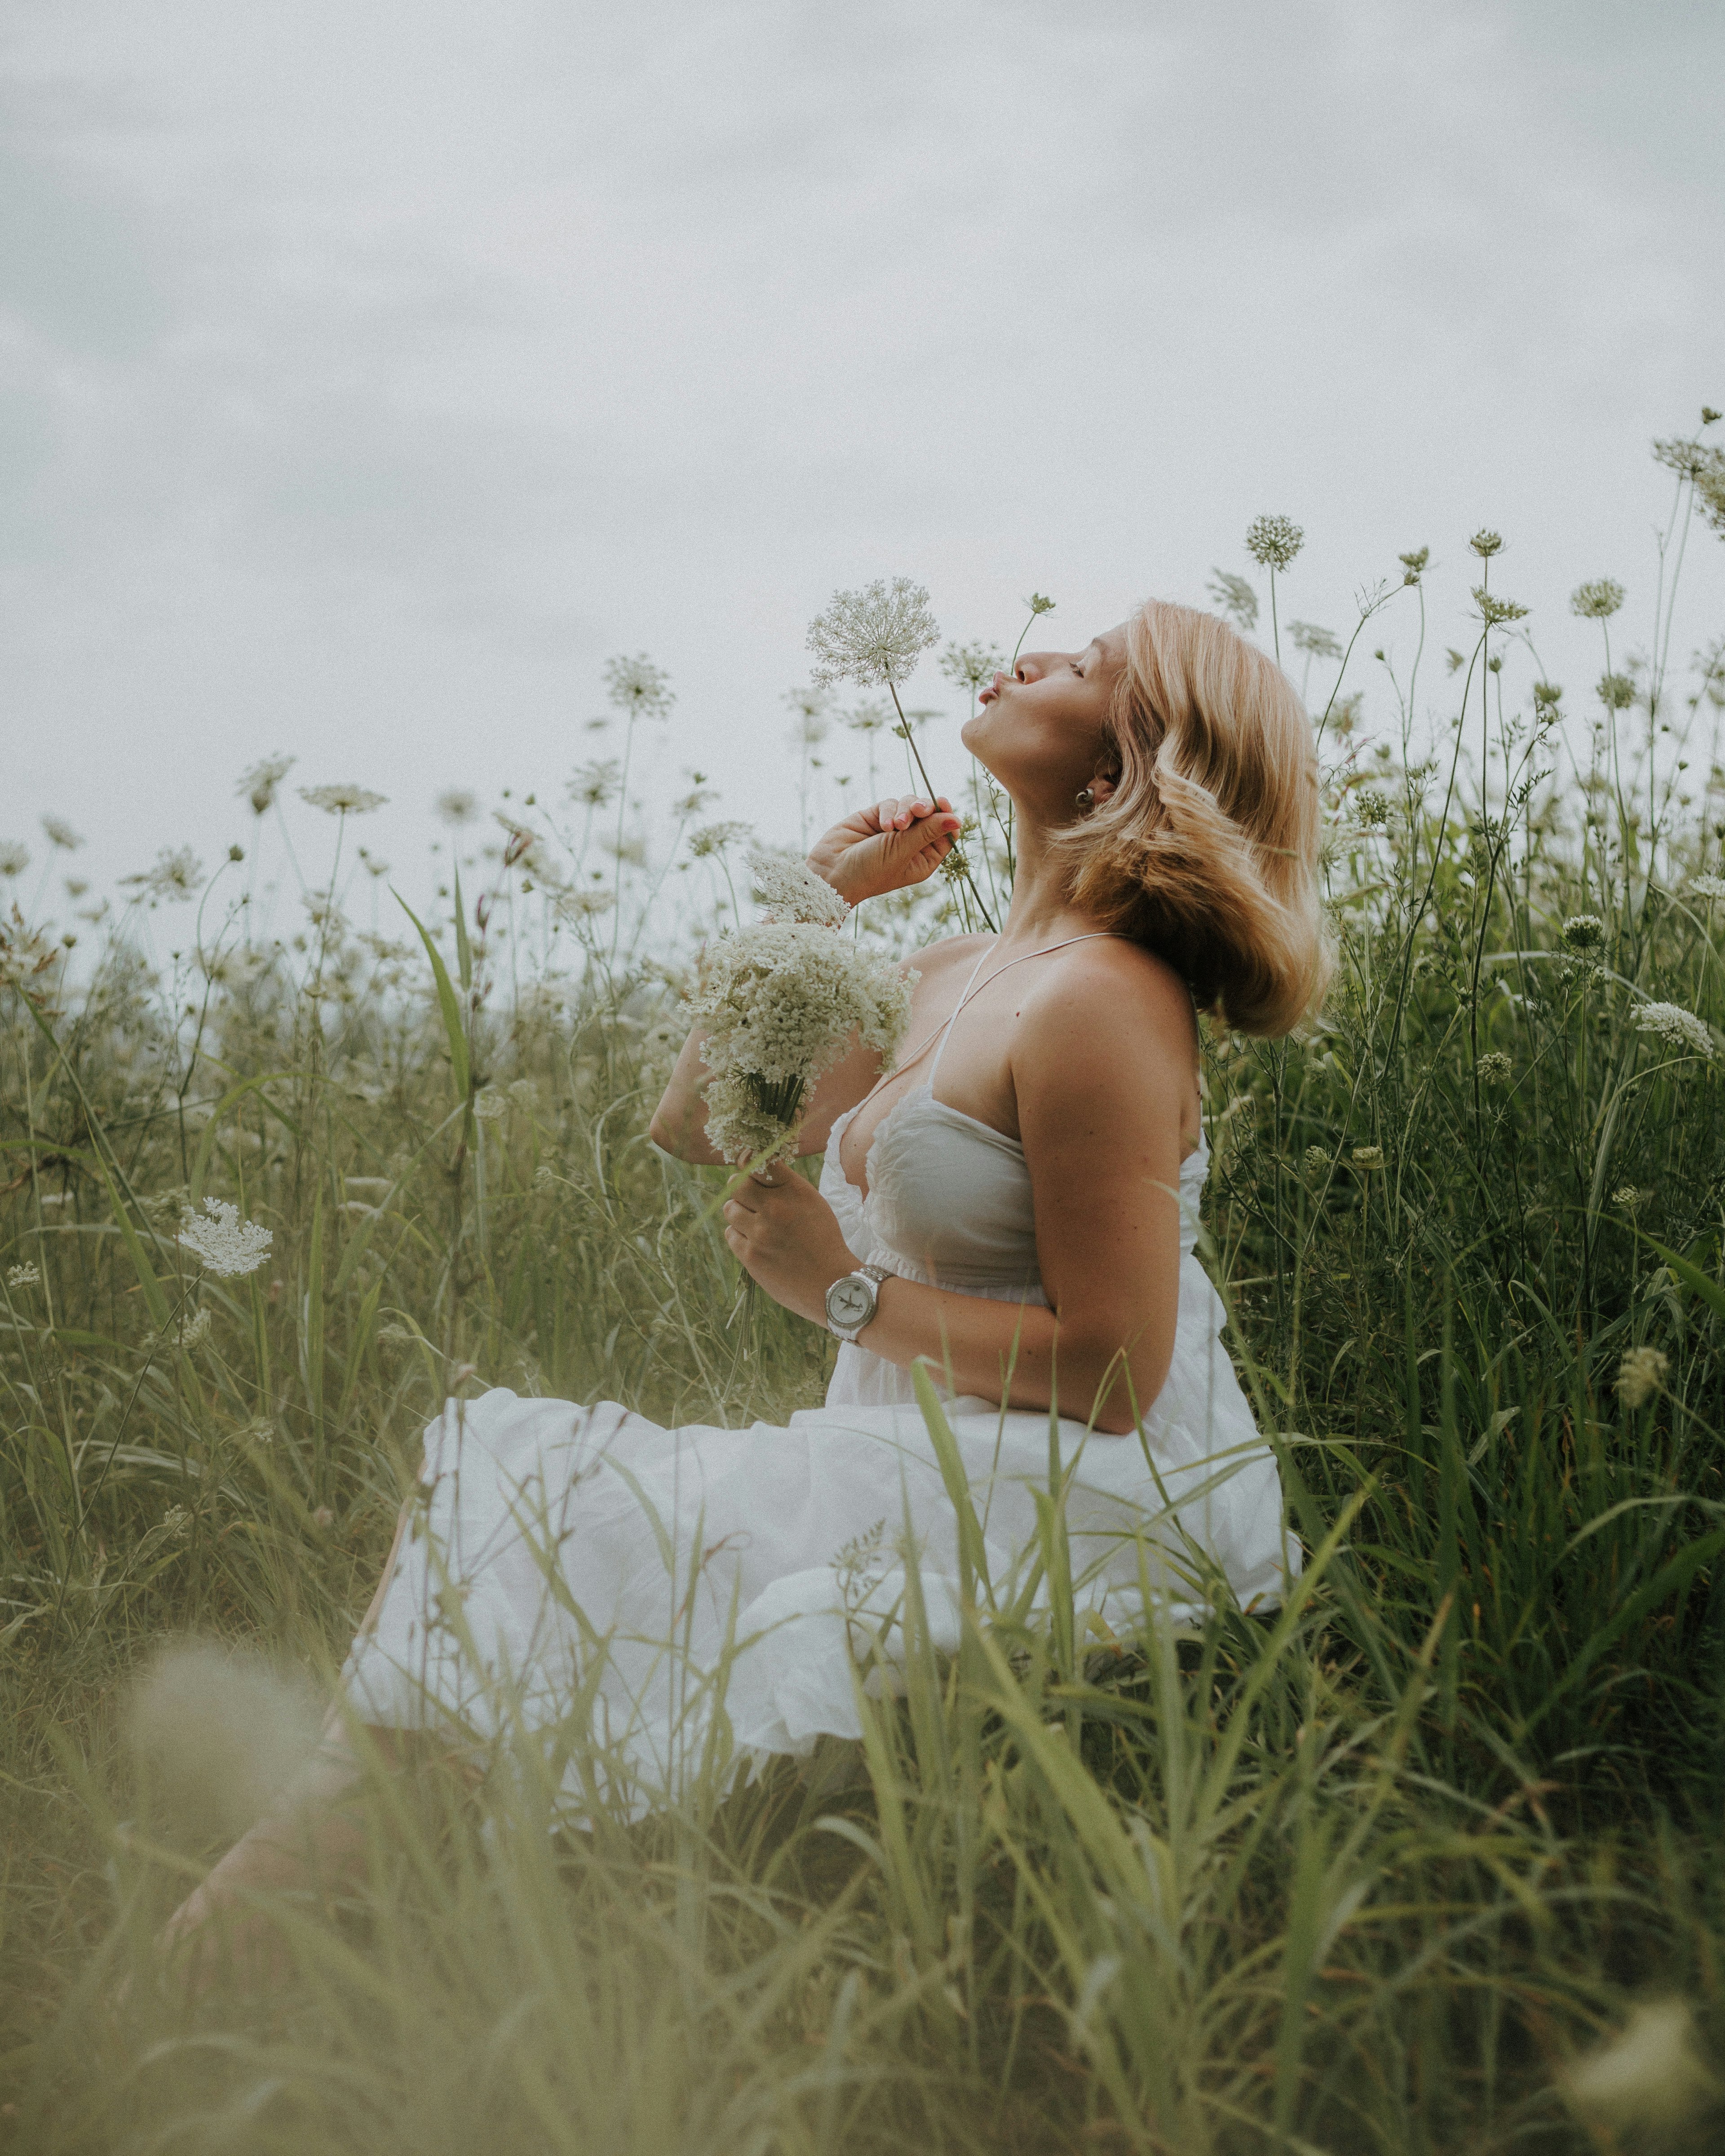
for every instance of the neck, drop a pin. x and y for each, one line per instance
(1040, 912)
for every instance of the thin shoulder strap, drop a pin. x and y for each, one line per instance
(972, 987)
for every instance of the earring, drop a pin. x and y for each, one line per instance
(1086, 799)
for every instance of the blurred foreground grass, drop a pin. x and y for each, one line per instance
(1372, 1874)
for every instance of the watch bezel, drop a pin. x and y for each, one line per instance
(871, 1277)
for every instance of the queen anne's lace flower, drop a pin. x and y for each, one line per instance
(1639, 1375)
(1597, 601)
(1676, 1028)
(714, 838)
(22, 1276)
(1368, 1156)
(1493, 1067)
(1371, 806)
(259, 785)
(873, 636)
(490, 1105)
(60, 832)
(639, 688)
(457, 806)
(787, 888)
(176, 874)
(342, 800)
(1236, 598)
(223, 1243)
(1273, 541)
(1708, 887)
(781, 1002)
(14, 859)
(1583, 932)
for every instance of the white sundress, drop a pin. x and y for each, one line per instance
(652, 1599)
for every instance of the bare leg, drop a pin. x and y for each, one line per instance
(309, 1840)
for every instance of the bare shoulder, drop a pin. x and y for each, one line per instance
(1112, 991)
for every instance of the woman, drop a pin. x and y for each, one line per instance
(1013, 1207)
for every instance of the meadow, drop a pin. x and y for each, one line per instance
(1429, 1860)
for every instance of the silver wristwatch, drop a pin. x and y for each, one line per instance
(852, 1299)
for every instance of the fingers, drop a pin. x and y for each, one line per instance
(900, 815)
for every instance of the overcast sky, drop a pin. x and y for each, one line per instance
(372, 371)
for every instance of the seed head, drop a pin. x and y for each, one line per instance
(1628, 1197)
(1318, 1161)
(1639, 1375)
(1236, 598)
(874, 636)
(1485, 544)
(1371, 807)
(969, 665)
(1583, 932)
(1546, 696)
(1494, 609)
(1038, 604)
(1493, 1068)
(458, 806)
(60, 832)
(1617, 691)
(1414, 563)
(222, 1242)
(595, 783)
(259, 785)
(14, 859)
(1368, 1157)
(1273, 541)
(1597, 601)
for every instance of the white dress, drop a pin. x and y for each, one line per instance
(655, 1602)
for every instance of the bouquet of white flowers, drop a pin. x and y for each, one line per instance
(781, 1003)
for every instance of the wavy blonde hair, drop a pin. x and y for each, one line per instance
(1206, 852)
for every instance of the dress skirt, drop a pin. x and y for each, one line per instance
(660, 1605)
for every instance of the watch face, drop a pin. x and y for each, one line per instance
(849, 1301)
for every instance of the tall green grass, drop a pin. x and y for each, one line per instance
(1370, 1874)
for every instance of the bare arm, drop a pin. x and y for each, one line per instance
(887, 847)
(1103, 1069)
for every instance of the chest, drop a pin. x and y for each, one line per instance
(970, 1064)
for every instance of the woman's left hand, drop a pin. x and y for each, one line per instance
(787, 1238)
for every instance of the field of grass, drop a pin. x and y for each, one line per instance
(1434, 1861)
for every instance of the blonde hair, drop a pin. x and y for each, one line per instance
(1207, 850)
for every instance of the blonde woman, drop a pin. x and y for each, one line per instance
(1013, 1207)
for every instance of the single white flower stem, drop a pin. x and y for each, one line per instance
(911, 737)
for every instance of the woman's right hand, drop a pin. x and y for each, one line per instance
(887, 847)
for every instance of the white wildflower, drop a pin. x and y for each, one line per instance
(639, 688)
(490, 1105)
(969, 665)
(342, 800)
(223, 1242)
(1597, 601)
(873, 636)
(259, 785)
(1368, 1156)
(787, 888)
(1708, 887)
(1314, 642)
(869, 718)
(595, 783)
(190, 1332)
(525, 1093)
(1236, 598)
(457, 806)
(1493, 1067)
(1485, 544)
(176, 1524)
(1628, 1197)
(60, 832)
(1583, 932)
(26, 1276)
(1371, 807)
(1676, 1028)
(1494, 608)
(781, 1003)
(714, 838)
(176, 874)
(1646, 2079)
(1639, 1375)
(14, 859)
(579, 906)
(1273, 541)
(1317, 1160)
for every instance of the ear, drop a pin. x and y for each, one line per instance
(1101, 787)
